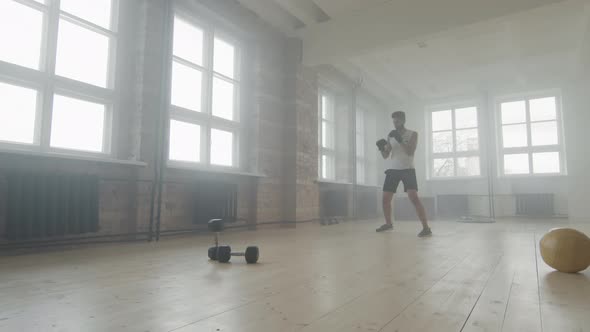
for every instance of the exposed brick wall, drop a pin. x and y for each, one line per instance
(307, 206)
(117, 207)
(301, 139)
(2, 206)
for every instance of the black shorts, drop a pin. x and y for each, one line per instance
(394, 176)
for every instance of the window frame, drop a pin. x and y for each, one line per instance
(362, 159)
(205, 118)
(48, 83)
(454, 154)
(529, 150)
(326, 151)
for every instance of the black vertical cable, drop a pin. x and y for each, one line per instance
(156, 138)
(491, 147)
(164, 105)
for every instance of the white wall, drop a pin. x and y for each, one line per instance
(577, 130)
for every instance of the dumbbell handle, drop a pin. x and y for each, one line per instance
(237, 254)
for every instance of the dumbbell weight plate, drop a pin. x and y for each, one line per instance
(215, 225)
(252, 254)
(212, 253)
(224, 254)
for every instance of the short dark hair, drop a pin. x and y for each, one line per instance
(399, 115)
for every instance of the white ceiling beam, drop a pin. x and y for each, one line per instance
(304, 10)
(339, 8)
(274, 14)
(391, 23)
(386, 88)
(585, 43)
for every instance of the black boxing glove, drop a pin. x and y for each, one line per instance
(381, 144)
(397, 136)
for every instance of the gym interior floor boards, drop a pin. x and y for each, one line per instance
(345, 277)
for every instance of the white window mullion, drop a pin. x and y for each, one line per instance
(208, 61)
(529, 137)
(237, 101)
(206, 143)
(454, 144)
(107, 146)
(32, 4)
(49, 66)
(187, 63)
(236, 148)
(86, 24)
(208, 94)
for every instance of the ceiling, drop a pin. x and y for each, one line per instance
(428, 49)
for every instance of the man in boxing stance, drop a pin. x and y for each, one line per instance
(398, 150)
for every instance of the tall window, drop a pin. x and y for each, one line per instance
(361, 161)
(56, 75)
(204, 112)
(327, 136)
(454, 143)
(530, 136)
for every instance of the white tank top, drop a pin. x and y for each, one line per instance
(399, 159)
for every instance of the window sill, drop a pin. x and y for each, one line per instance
(368, 185)
(210, 170)
(66, 156)
(324, 181)
(531, 176)
(499, 177)
(455, 178)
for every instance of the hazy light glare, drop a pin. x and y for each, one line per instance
(327, 135)
(21, 30)
(222, 147)
(466, 117)
(442, 142)
(516, 163)
(224, 58)
(467, 140)
(185, 141)
(95, 11)
(543, 109)
(327, 167)
(17, 114)
(544, 133)
(546, 162)
(223, 99)
(513, 112)
(514, 136)
(468, 166)
(442, 120)
(443, 167)
(186, 87)
(77, 124)
(188, 41)
(82, 54)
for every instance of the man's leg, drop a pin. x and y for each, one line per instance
(387, 198)
(420, 211)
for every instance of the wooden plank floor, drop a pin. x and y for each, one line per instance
(346, 277)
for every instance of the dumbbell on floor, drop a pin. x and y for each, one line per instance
(223, 254)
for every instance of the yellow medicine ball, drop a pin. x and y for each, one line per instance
(566, 250)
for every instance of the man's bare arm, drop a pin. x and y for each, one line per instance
(386, 152)
(410, 147)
